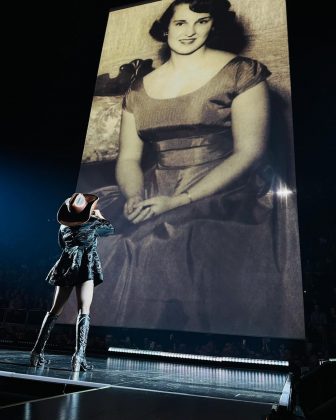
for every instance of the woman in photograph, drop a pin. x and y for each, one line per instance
(204, 111)
(197, 250)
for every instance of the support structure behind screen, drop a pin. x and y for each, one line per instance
(217, 250)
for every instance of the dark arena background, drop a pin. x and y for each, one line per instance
(51, 57)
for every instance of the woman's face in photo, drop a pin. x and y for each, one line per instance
(188, 30)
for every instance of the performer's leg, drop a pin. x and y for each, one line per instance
(84, 293)
(60, 298)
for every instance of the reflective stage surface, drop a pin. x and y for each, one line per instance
(140, 389)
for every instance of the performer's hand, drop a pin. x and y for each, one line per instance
(97, 214)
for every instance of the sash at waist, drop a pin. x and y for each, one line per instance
(192, 151)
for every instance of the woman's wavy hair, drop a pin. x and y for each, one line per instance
(228, 33)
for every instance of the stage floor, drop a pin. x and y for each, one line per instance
(131, 378)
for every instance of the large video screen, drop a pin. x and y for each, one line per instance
(189, 147)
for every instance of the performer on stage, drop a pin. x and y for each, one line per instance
(78, 267)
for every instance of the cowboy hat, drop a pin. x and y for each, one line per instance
(76, 209)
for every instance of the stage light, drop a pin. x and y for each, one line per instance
(284, 192)
(322, 361)
(198, 357)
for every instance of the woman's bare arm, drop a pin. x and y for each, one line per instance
(250, 121)
(128, 170)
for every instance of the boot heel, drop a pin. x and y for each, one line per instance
(76, 367)
(75, 364)
(34, 359)
(38, 359)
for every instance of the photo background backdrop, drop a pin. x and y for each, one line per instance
(126, 39)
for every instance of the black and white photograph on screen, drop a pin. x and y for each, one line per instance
(189, 148)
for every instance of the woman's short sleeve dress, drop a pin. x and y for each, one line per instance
(211, 265)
